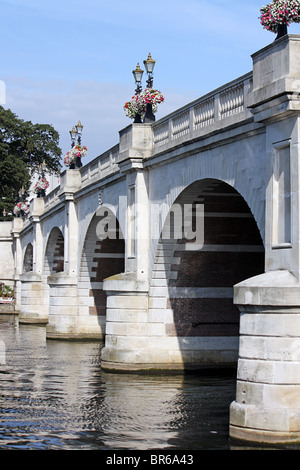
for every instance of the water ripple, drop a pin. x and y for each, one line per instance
(53, 395)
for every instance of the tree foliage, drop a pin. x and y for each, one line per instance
(24, 147)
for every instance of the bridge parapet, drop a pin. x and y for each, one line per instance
(100, 167)
(52, 199)
(225, 106)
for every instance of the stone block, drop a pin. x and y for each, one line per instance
(119, 315)
(67, 301)
(70, 182)
(255, 371)
(249, 393)
(275, 70)
(161, 316)
(131, 302)
(157, 303)
(57, 311)
(285, 396)
(270, 324)
(270, 348)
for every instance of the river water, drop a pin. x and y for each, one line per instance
(54, 395)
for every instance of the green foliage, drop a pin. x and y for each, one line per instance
(13, 175)
(23, 148)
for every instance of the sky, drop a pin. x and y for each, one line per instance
(63, 61)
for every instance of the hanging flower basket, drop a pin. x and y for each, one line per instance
(138, 104)
(73, 157)
(135, 106)
(21, 209)
(278, 13)
(68, 159)
(6, 294)
(40, 187)
(153, 97)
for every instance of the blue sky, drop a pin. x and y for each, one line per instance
(66, 60)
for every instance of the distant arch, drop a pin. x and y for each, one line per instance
(28, 259)
(54, 255)
(103, 255)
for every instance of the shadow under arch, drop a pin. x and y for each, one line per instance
(28, 259)
(103, 255)
(54, 253)
(198, 281)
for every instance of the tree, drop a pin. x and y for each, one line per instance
(24, 147)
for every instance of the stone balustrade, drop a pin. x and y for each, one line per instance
(222, 107)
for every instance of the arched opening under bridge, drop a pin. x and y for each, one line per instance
(54, 256)
(28, 259)
(193, 278)
(103, 256)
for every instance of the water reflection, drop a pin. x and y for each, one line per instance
(53, 395)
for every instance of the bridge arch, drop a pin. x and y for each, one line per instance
(236, 162)
(192, 280)
(54, 253)
(103, 255)
(28, 259)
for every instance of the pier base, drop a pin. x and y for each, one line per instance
(64, 321)
(136, 338)
(34, 305)
(267, 405)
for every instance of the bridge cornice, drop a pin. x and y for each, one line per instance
(100, 185)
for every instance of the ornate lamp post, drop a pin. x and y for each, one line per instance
(41, 192)
(138, 75)
(21, 194)
(144, 102)
(149, 66)
(76, 133)
(42, 169)
(73, 135)
(79, 129)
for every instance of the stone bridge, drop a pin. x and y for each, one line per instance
(179, 247)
